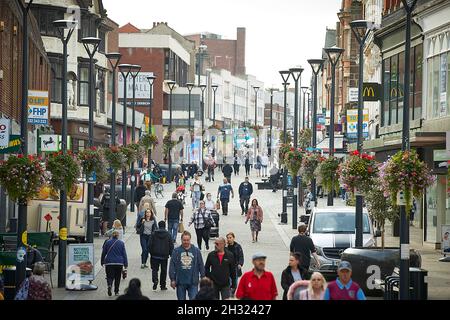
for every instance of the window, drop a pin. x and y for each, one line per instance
(45, 18)
(100, 90)
(83, 84)
(56, 78)
(110, 82)
(102, 45)
(393, 87)
(88, 27)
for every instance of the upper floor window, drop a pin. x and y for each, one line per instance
(393, 87)
(438, 85)
(56, 77)
(45, 18)
(102, 45)
(88, 27)
(100, 89)
(83, 84)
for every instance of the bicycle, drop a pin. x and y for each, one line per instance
(158, 187)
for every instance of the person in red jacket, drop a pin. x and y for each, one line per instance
(257, 284)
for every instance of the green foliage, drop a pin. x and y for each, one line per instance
(64, 169)
(114, 157)
(328, 170)
(293, 160)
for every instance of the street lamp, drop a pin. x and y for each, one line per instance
(91, 45)
(316, 66)
(125, 70)
(334, 54)
(409, 6)
(285, 74)
(256, 144)
(134, 73)
(202, 116)
(308, 123)
(214, 88)
(296, 74)
(171, 84)
(114, 59)
(189, 86)
(271, 122)
(151, 81)
(360, 29)
(61, 26)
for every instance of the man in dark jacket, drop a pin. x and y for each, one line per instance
(139, 193)
(220, 268)
(245, 192)
(160, 248)
(193, 168)
(305, 246)
(238, 255)
(227, 171)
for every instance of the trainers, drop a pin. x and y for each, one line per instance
(109, 291)
(155, 286)
(163, 288)
(143, 266)
(116, 293)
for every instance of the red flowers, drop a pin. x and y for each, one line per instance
(94, 148)
(292, 149)
(20, 156)
(355, 153)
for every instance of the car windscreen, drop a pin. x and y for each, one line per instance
(338, 222)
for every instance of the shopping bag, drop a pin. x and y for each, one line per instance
(181, 228)
(218, 204)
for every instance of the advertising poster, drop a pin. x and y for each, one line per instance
(4, 132)
(445, 244)
(38, 107)
(46, 193)
(81, 261)
(352, 123)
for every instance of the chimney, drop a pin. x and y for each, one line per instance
(154, 24)
(239, 67)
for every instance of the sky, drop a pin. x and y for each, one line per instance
(280, 34)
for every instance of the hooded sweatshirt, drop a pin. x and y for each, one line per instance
(160, 244)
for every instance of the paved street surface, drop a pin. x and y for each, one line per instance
(274, 241)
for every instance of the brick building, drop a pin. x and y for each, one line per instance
(222, 53)
(11, 36)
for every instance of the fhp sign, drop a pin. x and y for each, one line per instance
(38, 107)
(4, 132)
(352, 123)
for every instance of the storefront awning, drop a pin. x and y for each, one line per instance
(418, 139)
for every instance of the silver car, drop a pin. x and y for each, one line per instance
(332, 230)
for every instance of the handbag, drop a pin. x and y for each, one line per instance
(218, 204)
(207, 222)
(124, 274)
(181, 228)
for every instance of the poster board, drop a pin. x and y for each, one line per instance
(445, 239)
(80, 262)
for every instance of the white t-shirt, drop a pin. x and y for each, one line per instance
(265, 160)
(210, 205)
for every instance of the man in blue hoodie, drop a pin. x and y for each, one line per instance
(186, 268)
(245, 192)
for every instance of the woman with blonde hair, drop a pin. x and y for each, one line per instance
(315, 290)
(117, 226)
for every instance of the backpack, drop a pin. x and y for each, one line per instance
(22, 294)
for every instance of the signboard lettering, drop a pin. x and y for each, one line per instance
(4, 132)
(371, 91)
(38, 107)
(352, 123)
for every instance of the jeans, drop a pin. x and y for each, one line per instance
(173, 229)
(225, 292)
(225, 205)
(155, 263)
(244, 204)
(144, 245)
(113, 274)
(247, 170)
(196, 199)
(202, 234)
(192, 291)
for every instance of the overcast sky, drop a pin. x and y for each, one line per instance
(280, 33)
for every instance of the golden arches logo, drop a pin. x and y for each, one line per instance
(396, 92)
(369, 92)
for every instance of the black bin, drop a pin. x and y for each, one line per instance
(418, 283)
(9, 282)
(96, 221)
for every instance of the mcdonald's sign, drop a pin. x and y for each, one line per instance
(371, 91)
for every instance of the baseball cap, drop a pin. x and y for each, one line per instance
(259, 255)
(344, 265)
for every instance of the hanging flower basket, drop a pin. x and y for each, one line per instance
(304, 138)
(168, 144)
(215, 126)
(149, 141)
(64, 170)
(405, 172)
(140, 152)
(328, 171)
(115, 159)
(22, 177)
(310, 163)
(293, 160)
(91, 160)
(132, 153)
(358, 172)
(284, 148)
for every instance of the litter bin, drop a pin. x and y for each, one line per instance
(418, 283)
(96, 221)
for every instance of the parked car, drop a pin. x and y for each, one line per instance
(332, 231)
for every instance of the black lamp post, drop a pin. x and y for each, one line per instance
(304, 91)
(114, 59)
(61, 26)
(360, 29)
(308, 124)
(271, 122)
(316, 66)
(409, 6)
(125, 70)
(171, 85)
(202, 117)
(296, 74)
(151, 81)
(334, 54)
(134, 73)
(285, 74)
(189, 86)
(214, 88)
(22, 212)
(91, 45)
(256, 89)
